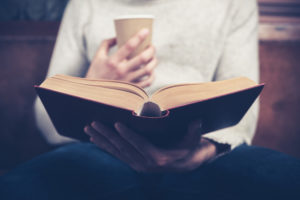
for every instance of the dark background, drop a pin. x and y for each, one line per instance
(33, 10)
(28, 30)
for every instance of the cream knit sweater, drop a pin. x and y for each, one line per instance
(196, 41)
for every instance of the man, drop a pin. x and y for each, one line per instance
(194, 41)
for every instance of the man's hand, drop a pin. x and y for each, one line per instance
(138, 70)
(142, 156)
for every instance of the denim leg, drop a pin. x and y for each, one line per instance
(75, 171)
(247, 172)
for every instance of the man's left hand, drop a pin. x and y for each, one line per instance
(143, 156)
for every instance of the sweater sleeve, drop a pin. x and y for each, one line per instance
(240, 58)
(69, 57)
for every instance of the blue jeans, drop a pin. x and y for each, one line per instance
(82, 171)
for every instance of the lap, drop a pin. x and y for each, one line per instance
(83, 171)
(247, 172)
(77, 171)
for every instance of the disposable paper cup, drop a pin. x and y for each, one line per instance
(128, 25)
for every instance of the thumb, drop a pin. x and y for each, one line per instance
(106, 45)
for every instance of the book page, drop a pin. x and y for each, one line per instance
(115, 93)
(122, 85)
(182, 94)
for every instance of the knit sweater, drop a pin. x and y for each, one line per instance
(196, 41)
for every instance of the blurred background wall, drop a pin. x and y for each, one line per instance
(28, 30)
(33, 10)
(279, 33)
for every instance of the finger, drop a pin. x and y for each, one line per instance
(152, 154)
(105, 46)
(146, 82)
(110, 135)
(101, 141)
(193, 135)
(107, 146)
(143, 71)
(205, 152)
(138, 142)
(141, 59)
(130, 45)
(118, 142)
(195, 127)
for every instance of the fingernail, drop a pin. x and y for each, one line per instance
(85, 129)
(98, 124)
(117, 125)
(144, 32)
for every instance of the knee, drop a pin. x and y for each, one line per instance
(80, 169)
(87, 156)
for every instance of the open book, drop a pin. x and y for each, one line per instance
(73, 102)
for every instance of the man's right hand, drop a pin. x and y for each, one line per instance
(138, 70)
